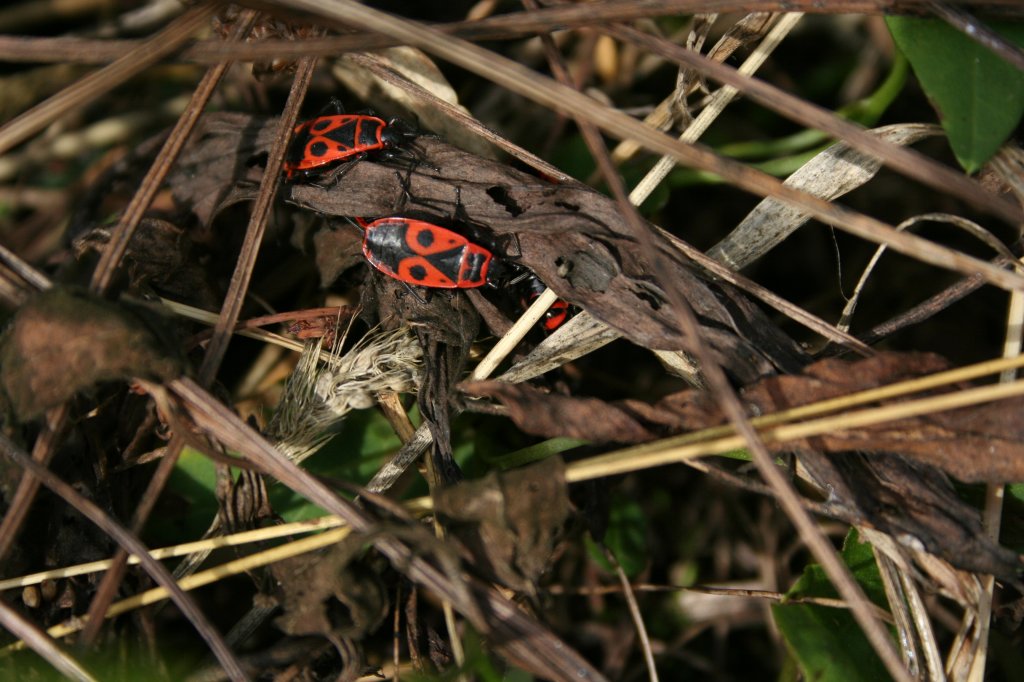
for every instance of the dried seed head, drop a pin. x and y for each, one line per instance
(385, 361)
(318, 394)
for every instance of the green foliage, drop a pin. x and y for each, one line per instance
(1016, 491)
(353, 455)
(532, 453)
(979, 97)
(827, 642)
(625, 538)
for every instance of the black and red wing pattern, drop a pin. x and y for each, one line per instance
(423, 254)
(557, 314)
(330, 139)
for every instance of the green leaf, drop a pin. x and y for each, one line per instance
(979, 97)
(625, 537)
(354, 454)
(1016, 491)
(827, 642)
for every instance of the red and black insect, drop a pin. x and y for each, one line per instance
(323, 142)
(421, 253)
(557, 314)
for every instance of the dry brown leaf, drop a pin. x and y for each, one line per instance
(161, 256)
(511, 521)
(572, 237)
(975, 444)
(331, 596)
(63, 342)
(898, 489)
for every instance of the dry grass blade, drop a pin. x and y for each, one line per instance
(790, 310)
(971, 228)
(133, 545)
(900, 614)
(505, 345)
(18, 130)
(42, 452)
(257, 224)
(151, 183)
(718, 102)
(25, 271)
(509, 25)
(831, 174)
(212, 575)
(233, 540)
(579, 336)
(521, 637)
(906, 161)
(457, 116)
(527, 83)
(992, 516)
(42, 644)
(242, 329)
(711, 442)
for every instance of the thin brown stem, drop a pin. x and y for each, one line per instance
(42, 452)
(44, 645)
(504, 26)
(131, 543)
(235, 296)
(77, 95)
(153, 181)
(111, 583)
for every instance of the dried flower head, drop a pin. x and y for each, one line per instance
(322, 390)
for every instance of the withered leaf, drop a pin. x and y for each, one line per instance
(337, 250)
(984, 443)
(510, 521)
(65, 341)
(225, 148)
(161, 256)
(598, 421)
(332, 596)
(898, 488)
(572, 237)
(912, 502)
(576, 241)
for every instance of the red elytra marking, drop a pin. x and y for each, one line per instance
(556, 315)
(421, 272)
(327, 140)
(424, 254)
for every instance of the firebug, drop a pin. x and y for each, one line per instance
(420, 253)
(322, 143)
